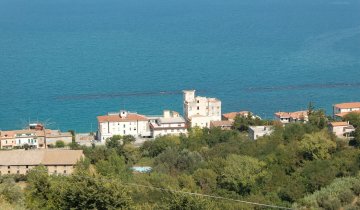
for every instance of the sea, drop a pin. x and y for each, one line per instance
(64, 62)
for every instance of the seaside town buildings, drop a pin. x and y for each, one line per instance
(256, 132)
(55, 160)
(140, 126)
(289, 117)
(35, 136)
(200, 111)
(340, 110)
(341, 129)
(171, 123)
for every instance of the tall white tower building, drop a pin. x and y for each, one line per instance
(200, 111)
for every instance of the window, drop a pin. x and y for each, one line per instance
(18, 172)
(124, 132)
(198, 101)
(8, 172)
(198, 108)
(64, 171)
(124, 126)
(55, 172)
(8, 167)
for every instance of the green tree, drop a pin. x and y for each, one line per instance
(318, 119)
(241, 173)
(113, 167)
(187, 202)
(114, 142)
(38, 190)
(87, 192)
(317, 146)
(353, 118)
(10, 191)
(206, 179)
(59, 144)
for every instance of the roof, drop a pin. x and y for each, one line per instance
(343, 114)
(221, 123)
(40, 157)
(294, 115)
(116, 118)
(38, 133)
(348, 105)
(171, 120)
(261, 128)
(336, 124)
(232, 115)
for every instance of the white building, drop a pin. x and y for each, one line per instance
(340, 110)
(341, 129)
(123, 123)
(171, 123)
(256, 132)
(289, 117)
(200, 111)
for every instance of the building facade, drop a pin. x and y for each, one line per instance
(342, 130)
(171, 123)
(256, 132)
(123, 123)
(200, 111)
(340, 110)
(22, 161)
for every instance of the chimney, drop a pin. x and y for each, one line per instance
(167, 114)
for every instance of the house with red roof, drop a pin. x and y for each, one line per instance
(340, 110)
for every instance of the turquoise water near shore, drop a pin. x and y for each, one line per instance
(66, 61)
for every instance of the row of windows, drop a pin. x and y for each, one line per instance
(28, 166)
(27, 171)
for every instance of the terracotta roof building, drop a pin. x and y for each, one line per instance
(232, 115)
(342, 129)
(288, 117)
(55, 160)
(123, 123)
(224, 124)
(340, 110)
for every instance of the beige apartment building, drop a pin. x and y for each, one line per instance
(56, 161)
(200, 111)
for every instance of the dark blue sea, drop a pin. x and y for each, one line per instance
(63, 62)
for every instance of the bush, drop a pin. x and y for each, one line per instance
(59, 144)
(346, 196)
(331, 204)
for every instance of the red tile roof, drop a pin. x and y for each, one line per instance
(348, 105)
(116, 118)
(294, 115)
(221, 123)
(343, 114)
(232, 115)
(336, 124)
